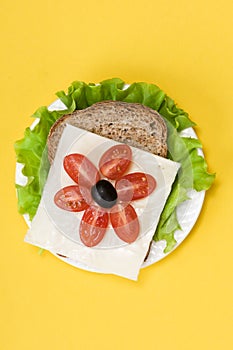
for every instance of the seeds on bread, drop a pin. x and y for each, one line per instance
(131, 123)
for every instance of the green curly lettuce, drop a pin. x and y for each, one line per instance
(31, 151)
(192, 175)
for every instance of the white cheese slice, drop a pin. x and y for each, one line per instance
(56, 230)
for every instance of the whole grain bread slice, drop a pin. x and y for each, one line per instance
(131, 123)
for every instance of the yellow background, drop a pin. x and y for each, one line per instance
(183, 302)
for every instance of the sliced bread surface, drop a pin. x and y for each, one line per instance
(131, 123)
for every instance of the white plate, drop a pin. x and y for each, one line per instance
(187, 212)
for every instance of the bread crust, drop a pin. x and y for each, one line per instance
(131, 123)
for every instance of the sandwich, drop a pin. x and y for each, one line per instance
(143, 120)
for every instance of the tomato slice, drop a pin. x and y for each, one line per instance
(125, 222)
(93, 226)
(115, 161)
(81, 170)
(135, 186)
(70, 198)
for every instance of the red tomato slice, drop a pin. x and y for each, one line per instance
(135, 186)
(115, 161)
(70, 198)
(81, 170)
(125, 222)
(93, 226)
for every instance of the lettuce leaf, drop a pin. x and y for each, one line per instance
(168, 223)
(191, 175)
(32, 153)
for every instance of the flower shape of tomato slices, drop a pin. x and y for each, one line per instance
(105, 195)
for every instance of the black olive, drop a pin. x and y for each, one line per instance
(104, 194)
